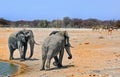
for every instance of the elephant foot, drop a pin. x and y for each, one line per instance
(11, 58)
(29, 58)
(25, 59)
(48, 66)
(22, 59)
(55, 63)
(59, 65)
(48, 69)
(42, 69)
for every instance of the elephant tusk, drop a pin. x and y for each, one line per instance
(71, 45)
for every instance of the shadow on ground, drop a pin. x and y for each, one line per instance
(32, 59)
(63, 67)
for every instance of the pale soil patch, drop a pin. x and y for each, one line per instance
(93, 56)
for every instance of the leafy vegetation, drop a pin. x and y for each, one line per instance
(66, 22)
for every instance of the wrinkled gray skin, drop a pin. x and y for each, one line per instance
(67, 45)
(17, 41)
(54, 46)
(29, 36)
(12, 43)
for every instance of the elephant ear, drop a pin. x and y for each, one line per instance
(66, 34)
(28, 33)
(67, 43)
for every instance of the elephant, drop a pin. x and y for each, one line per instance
(66, 41)
(53, 46)
(17, 41)
(30, 38)
(13, 43)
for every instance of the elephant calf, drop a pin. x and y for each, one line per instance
(54, 45)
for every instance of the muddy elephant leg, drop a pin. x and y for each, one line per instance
(43, 62)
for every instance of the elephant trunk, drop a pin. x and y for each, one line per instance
(21, 49)
(67, 47)
(31, 48)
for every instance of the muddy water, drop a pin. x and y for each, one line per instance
(7, 69)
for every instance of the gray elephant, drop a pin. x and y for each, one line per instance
(29, 36)
(66, 42)
(53, 46)
(13, 43)
(17, 41)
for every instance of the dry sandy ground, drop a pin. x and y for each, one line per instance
(95, 54)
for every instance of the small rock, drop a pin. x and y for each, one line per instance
(87, 43)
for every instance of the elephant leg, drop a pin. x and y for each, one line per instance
(31, 49)
(21, 51)
(24, 53)
(61, 58)
(11, 54)
(43, 62)
(49, 57)
(56, 62)
(44, 57)
(48, 62)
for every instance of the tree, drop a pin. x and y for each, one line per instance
(43, 23)
(56, 23)
(67, 22)
(117, 24)
(77, 22)
(90, 23)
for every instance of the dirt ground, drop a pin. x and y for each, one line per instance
(95, 54)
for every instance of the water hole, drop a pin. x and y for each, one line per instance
(7, 69)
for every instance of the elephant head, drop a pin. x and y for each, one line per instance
(20, 36)
(67, 44)
(30, 38)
